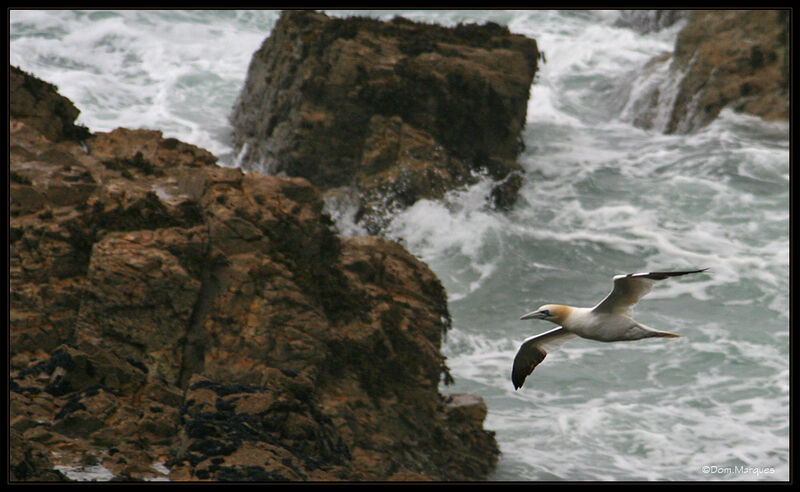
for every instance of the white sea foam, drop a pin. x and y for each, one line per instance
(93, 473)
(172, 71)
(460, 224)
(160, 467)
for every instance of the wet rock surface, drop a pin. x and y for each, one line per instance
(173, 319)
(392, 111)
(737, 59)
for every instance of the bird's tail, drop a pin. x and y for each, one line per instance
(666, 334)
(658, 333)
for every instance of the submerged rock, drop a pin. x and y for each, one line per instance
(737, 59)
(170, 318)
(396, 111)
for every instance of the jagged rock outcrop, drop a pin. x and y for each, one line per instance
(170, 318)
(736, 59)
(393, 111)
(38, 104)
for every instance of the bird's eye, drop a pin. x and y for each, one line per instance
(546, 312)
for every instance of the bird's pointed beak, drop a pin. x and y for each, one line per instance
(533, 315)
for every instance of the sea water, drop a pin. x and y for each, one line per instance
(601, 197)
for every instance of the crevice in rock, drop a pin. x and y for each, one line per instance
(193, 359)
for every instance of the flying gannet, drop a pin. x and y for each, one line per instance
(609, 321)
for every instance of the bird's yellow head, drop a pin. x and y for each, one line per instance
(555, 313)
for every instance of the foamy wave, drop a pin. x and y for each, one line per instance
(635, 435)
(144, 69)
(462, 225)
(542, 108)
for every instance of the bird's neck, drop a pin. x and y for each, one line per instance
(576, 317)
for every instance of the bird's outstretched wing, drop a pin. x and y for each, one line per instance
(533, 351)
(628, 289)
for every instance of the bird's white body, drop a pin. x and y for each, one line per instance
(609, 321)
(604, 327)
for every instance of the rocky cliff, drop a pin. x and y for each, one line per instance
(391, 112)
(173, 319)
(737, 59)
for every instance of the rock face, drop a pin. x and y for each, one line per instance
(175, 319)
(736, 59)
(396, 111)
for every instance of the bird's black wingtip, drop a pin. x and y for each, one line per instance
(518, 380)
(664, 275)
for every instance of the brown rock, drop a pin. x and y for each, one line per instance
(168, 312)
(38, 104)
(396, 110)
(30, 461)
(465, 407)
(736, 59)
